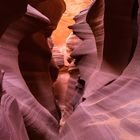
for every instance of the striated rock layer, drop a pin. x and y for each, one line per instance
(11, 120)
(111, 112)
(39, 122)
(120, 36)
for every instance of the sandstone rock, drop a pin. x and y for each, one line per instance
(111, 112)
(11, 120)
(39, 123)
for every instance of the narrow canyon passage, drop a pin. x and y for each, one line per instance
(69, 70)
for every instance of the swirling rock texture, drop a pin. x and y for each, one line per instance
(52, 9)
(111, 112)
(37, 48)
(11, 120)
(68, 80)
(114, 60)
(104, 46)
(82, 47)
(23, 33)
(36, 117)
(36, 65)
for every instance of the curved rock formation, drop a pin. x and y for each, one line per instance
(52, 9)
(120, 36)
(112, 112)
(38, 67)
(11, 120)
(39, 123)
(82, 46)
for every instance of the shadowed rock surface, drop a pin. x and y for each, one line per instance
(103, 52)
(37, 67)
(11, 120)
(16, 8)
(53, 9)
(82, 48)
(120, 31)
(111, 112)
(38, 120)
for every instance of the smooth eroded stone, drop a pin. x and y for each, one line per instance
(113, 111)
(52, 9)
(120, 28)
(11, 121)
(39, 122)
(37, 66)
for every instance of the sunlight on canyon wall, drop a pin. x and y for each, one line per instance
(73, 7)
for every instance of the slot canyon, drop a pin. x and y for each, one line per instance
(70, 70)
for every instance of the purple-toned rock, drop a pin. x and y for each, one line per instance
(11, 121)
(82, 49)
(113, 111)
(120, 36)
(39, 122)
